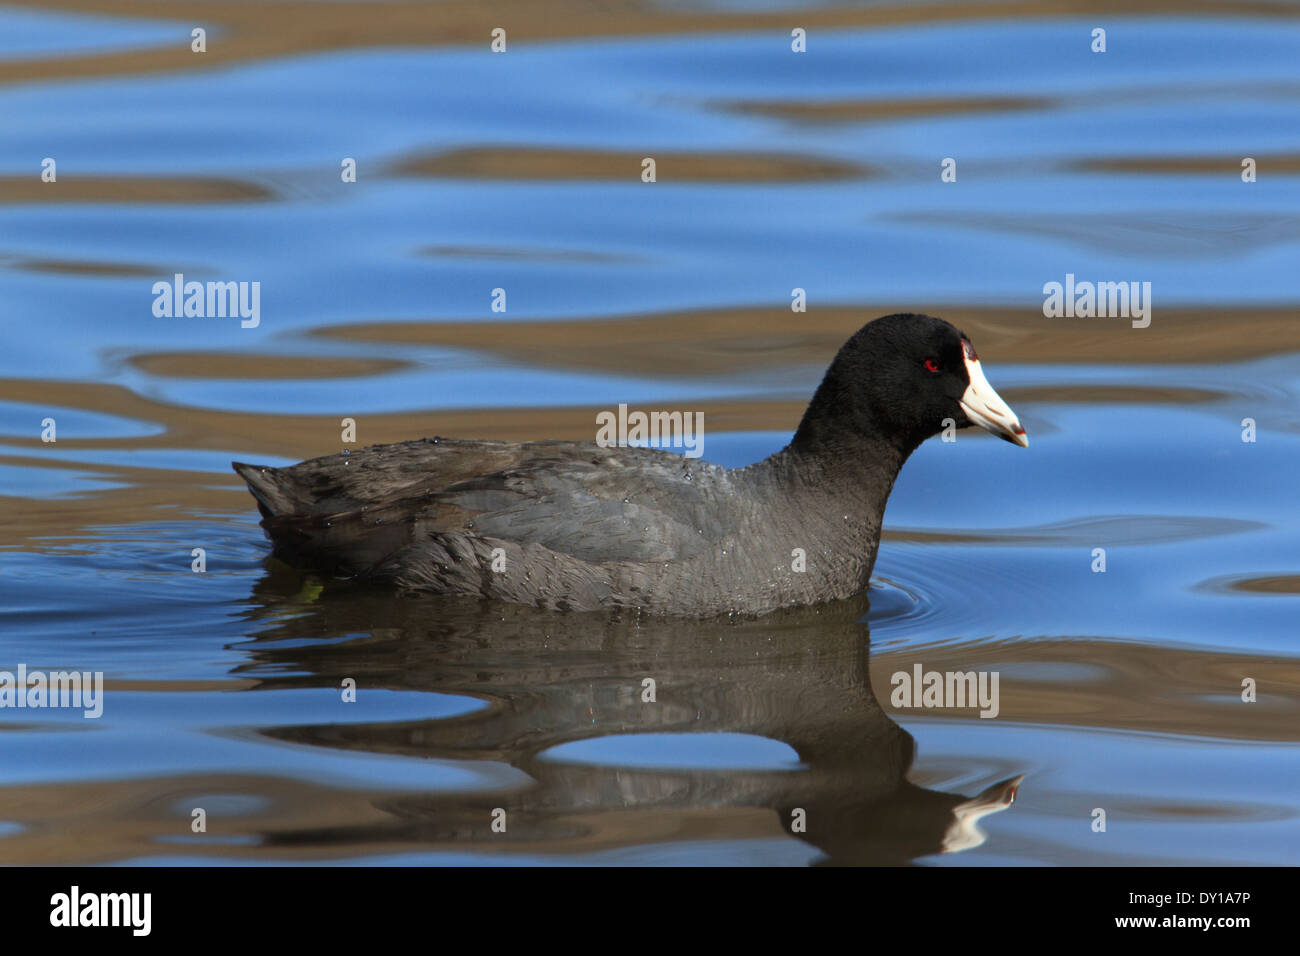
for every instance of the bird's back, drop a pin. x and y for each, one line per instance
(453, 515)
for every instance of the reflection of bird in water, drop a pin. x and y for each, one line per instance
(797, 676)
(568, 525)
(965, 832)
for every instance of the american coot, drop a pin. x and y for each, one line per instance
(577, 526)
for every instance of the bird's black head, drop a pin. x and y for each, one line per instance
(900, 378)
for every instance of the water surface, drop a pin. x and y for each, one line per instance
(1119, 690)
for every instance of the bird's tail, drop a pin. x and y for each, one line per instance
(270, 487)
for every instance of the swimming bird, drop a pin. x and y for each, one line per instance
(578, 526)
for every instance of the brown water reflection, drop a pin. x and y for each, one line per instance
(257, 31)
(130, 189)
(859, 111)
(698, 342)
(521, 164)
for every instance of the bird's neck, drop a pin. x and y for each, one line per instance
(842, 475)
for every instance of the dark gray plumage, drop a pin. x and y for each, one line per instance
(580, 526)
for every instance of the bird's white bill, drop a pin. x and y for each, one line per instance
(985, 407)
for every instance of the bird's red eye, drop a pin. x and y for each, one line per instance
(931, 365)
